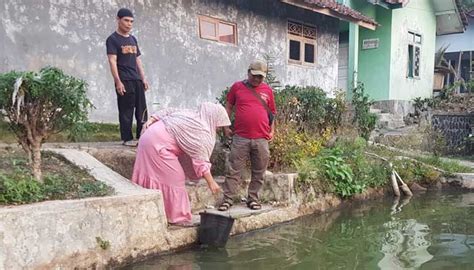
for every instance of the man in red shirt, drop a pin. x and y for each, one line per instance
(254, 106)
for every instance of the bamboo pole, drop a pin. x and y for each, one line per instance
(396, 190)
(404, 186)
(394, 176)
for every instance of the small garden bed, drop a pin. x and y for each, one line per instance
(88, 132)
(61, 180)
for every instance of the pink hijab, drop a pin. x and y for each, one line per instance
(195, 131)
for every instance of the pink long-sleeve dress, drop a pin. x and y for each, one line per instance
(157, 166)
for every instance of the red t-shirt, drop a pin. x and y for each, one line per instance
(251, 118)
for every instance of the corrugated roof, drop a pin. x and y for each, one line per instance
(462, 12)
(332, 8)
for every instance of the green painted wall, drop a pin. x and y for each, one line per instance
(417, 16)
(374, 64)
(384, 70)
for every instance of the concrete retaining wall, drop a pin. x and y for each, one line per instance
(98, 233)
(69, 234)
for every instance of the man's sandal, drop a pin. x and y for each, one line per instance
(224, 206)
(253, 205)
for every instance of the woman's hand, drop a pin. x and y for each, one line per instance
(213, 186)
(228, 132)
(148, 124)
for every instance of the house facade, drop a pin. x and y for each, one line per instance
(396, 60)
(459, 54)
(192, 50)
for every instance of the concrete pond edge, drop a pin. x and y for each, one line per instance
(129, 226)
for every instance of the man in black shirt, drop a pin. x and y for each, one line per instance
(129, 77)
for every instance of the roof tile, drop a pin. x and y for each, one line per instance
(341, 10)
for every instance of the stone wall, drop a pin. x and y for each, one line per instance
(456, 130)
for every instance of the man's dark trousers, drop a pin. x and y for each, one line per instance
(132, 101)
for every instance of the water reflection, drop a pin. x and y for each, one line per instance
(397, 205)
(428, 232)
(405, 245)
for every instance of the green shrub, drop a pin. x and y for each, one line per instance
(364, 119)
(310, 174)
(21, 189)
(89, 189)
(450, 166)
(411, 171)
(371, 172)
(330, 171)
(289, 147)
(306, 119)
(340, 174)
(344, 169)
(38, 104)
(309, 109)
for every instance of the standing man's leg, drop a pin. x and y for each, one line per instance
(239, 152)
(259, 156)
(141, 114)
(126, 106)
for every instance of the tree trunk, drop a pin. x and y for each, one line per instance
(36, 162)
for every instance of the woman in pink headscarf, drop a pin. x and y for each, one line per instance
(175, 145)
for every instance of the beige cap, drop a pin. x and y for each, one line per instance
(258, 68)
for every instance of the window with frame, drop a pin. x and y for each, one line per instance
(217, 30)
(301, 43)
(414, 55)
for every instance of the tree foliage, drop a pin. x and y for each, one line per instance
(38, 104)
(364, 119)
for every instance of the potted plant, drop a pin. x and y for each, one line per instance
(441, 68)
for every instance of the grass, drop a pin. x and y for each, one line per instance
(448, 166)
(62, 180)
(91, 132)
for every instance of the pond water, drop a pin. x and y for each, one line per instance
(430, 231)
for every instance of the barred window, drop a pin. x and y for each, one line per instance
(301, 43)
(414, 55)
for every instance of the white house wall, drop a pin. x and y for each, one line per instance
(183, 69)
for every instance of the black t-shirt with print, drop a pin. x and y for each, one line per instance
(127, 51)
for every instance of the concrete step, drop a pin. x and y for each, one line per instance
(276, 188)
(238, 211)
(376, 111)
(389, 116)
(390, 121)
(391, 124)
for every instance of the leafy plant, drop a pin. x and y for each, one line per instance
(61, 180)
(411, 171)
(271, 78)
(309, 109)
(340, 174)
(38, 104)
(306, 119)
(331, 169)
(441, 64)
(103, 244)
(290, 146)
(364, 119)
(21, 190)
